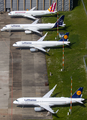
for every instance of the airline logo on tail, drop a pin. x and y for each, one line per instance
(52, 7)
(65, 36)
(78, 92)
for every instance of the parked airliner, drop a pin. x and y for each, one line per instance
(40, 44)
(34, 27)
(33, 13)
(46, 101)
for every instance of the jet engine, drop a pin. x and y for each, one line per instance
(38, 109)
(33, 49)
(27, 32)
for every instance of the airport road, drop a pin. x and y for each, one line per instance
(22, 73)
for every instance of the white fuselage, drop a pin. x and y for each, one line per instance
(46, 101)
(26, 27)
(41, 44)
(30, 13)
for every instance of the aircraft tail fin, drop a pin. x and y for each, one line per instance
(52, 7)
(78, 93)
(65, 37)
(59, 22)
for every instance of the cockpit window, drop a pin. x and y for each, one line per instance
(17, 100)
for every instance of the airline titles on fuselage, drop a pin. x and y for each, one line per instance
(29, 99)
(26, 43)
(20, 12)
(15, 25)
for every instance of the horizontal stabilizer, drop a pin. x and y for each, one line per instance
(80, 102)
(65, 37)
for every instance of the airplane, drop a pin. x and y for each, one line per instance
(33, 13)
(34, 27)
(40, 44)
(47, 101)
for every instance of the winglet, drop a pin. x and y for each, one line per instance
(57, 111)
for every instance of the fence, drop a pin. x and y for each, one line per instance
(62, 5)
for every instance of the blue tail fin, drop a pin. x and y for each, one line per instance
(59, 22)
(78, 93)
(65, 37)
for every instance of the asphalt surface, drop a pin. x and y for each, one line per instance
(22, 73)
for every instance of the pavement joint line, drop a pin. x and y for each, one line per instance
(12, 81)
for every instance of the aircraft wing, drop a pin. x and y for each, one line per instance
(42, 38)
(39, 48)
(47, 107)
(47, 95)
(29, 16)
(36, 21)
(33, 30)
(32, 8)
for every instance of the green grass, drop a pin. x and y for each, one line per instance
(85, 3)
(76, 25)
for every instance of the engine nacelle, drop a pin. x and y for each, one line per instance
(27, 32)
(38, 109)
(33, 49)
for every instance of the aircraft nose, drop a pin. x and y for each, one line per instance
(9, 13)
(14, 44)
(2, 29)
(14, 102)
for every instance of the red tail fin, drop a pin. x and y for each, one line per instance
(52, 7)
